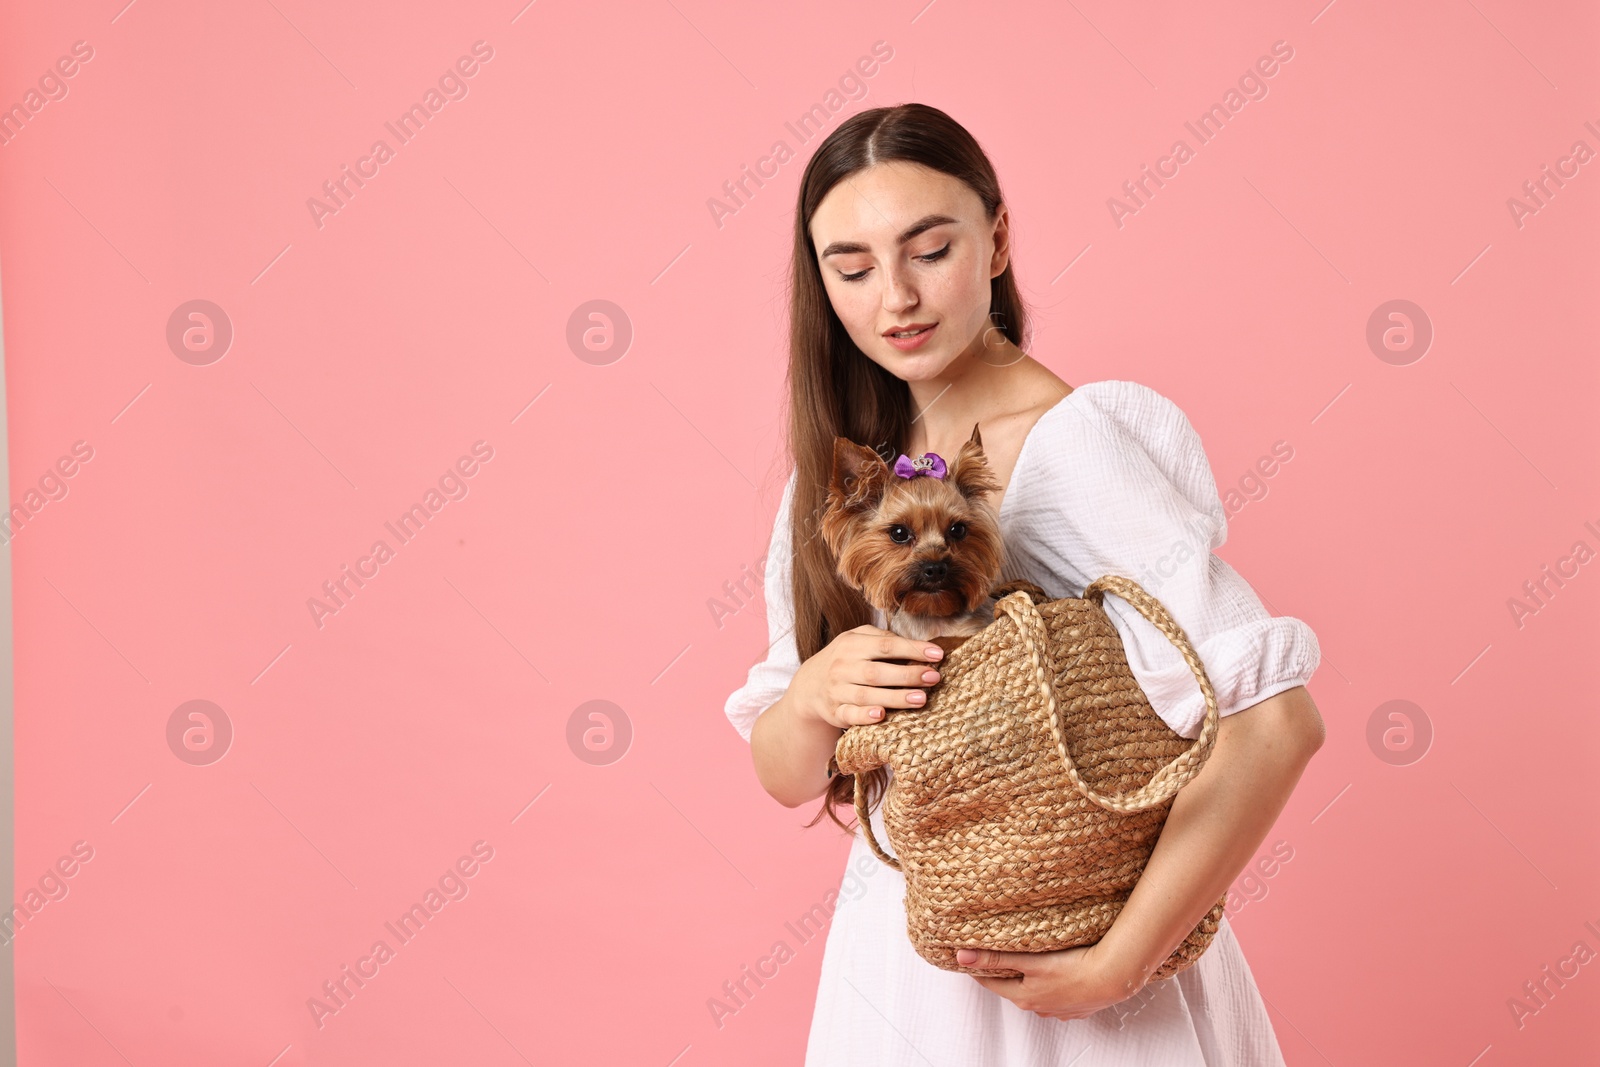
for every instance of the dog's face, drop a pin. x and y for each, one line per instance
(922, 545)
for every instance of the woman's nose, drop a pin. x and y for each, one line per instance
(898, 293)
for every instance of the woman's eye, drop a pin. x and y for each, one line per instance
(931, 257)
(958, 530)
(899, 534)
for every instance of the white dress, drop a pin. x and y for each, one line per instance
(1112, 479)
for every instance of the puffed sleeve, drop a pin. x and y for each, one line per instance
(769, 679)
(1118, 483)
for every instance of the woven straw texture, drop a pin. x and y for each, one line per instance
(1029, 792)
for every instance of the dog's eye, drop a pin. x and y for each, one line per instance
(958, 530)
(899, 533)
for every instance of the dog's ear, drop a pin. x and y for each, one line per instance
(860, 476)
(970, 473)
(855, 488)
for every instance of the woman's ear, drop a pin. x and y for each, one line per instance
(1002, 242)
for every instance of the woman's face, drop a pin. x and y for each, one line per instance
(902, 245)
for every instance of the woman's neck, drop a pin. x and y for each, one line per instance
(977, 389)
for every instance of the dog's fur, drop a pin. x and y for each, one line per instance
(935, 585)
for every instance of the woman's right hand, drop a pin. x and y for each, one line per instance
(848, 683)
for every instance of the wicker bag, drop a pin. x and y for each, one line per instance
(1028, 793)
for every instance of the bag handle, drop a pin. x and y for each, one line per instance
(1166, 782)
(865, 820)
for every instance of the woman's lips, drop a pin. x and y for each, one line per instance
(906, 344)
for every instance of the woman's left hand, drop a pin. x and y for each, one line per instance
(1069, 984)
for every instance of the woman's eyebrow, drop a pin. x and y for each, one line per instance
(927, 222)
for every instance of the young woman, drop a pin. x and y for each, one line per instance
(906, 327)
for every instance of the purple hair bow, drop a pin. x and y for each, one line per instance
(928, 463)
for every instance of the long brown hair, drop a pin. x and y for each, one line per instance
(834, 389)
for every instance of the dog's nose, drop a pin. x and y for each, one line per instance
(935, 570)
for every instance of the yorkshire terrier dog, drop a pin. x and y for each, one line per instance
(920, 541)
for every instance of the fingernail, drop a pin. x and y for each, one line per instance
(930, 676)
(934, 651)
(875, 713)
(965, 956)
(916, 698)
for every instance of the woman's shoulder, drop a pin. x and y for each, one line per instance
(1105, 420)
(1133, 406)
(1114, 437)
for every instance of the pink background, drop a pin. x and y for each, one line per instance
(432, 311)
